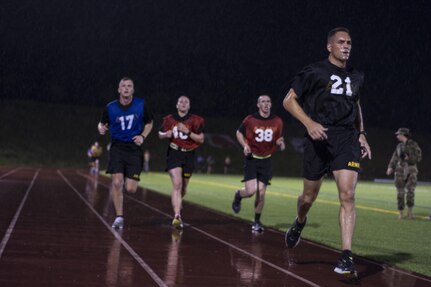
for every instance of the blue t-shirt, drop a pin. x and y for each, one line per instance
(125, 122)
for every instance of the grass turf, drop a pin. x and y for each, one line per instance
(379, 234)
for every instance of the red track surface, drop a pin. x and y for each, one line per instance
(55, 227)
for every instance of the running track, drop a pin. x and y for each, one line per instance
(55, 226)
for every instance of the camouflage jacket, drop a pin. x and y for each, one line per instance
(406, 153)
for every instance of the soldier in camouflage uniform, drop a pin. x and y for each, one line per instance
(404, 165)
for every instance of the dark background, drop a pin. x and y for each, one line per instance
(66, 58)
(222, 53)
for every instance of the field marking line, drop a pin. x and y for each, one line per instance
(309, 242)
(384, 266)
(10, 172)
(132, 252)
(318, 200)
(224, 242)
(287, 272)
(16, 216)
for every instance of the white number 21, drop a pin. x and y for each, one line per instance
(337, 86)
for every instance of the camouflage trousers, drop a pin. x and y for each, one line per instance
(405, 181)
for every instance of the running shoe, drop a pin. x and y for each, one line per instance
(236, 204)
(345, 265)
(257, 227)
(293, 235)
(118, 223)
(177, 222)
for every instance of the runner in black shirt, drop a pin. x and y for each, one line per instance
(324, 97)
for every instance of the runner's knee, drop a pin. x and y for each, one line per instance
(347, 197)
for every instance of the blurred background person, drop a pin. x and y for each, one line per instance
(210, 164)
(147, 157)
(94, 153)
(227, 163)
(200, 163)
(403, 164)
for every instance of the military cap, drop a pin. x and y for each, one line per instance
(403, 131)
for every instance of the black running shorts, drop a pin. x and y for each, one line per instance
(340, 151)
(94, 158)
(183, 159)
(258, 168)
(126, 159)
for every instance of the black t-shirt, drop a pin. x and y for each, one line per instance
(329, 94)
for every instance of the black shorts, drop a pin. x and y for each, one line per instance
(183, 159)
(93, 159)
(341, 150)
(126, 159)
(260, 169)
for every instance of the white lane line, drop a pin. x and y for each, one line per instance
(224, 242)
(287, 272)
(271, 264)
(15, 217)
(231, 245)
(384, 266)
(132, 252)
(10, 172)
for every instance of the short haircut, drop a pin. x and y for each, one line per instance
(126, 79)
(263, 95)
(181, 96)
(336, 30)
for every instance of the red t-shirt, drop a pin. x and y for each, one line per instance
(261, 134)
(193, 122)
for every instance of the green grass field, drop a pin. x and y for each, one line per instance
(379, 234)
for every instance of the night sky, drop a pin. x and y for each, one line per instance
(223, 54)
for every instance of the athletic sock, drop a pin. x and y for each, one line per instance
(346, 253)
(300, 225)
(238, 195)
(257, 217)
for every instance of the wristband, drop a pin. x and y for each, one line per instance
(143, 137)
(363, 133)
